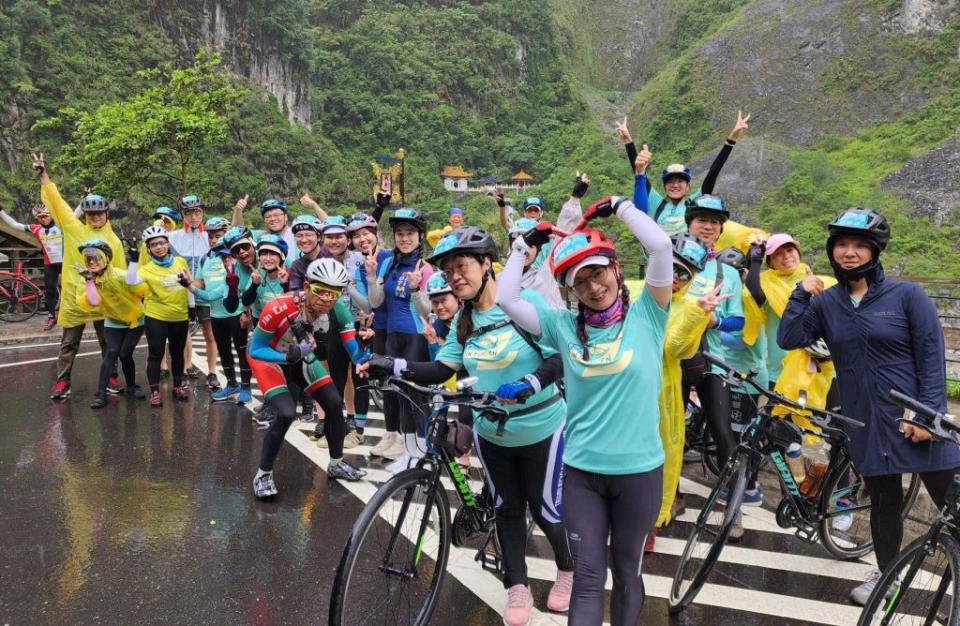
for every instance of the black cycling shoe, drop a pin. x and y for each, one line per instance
(99, 401)
(136, 392)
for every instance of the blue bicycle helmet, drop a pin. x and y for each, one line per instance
(438, 285)
(689, 252)
(535, 201)
(94, 203)
(190, 202)
(237, 235)
(707, 205)
(306, 222)
(270, 204)
(273, 243)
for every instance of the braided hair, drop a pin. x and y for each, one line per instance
(582, 318)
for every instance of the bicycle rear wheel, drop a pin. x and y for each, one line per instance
(395, 558)
(19, 300)
(845, 505)
(709, 535)
(921, 586)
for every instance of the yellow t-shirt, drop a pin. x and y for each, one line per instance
(118, 300)
(167, 300)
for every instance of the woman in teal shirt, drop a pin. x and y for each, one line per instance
(611, 351)
(523, 464)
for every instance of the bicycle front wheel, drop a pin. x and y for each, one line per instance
(919, 587)
(709, 535)
(19, 300)
(395, 558)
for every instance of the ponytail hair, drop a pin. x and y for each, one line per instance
(465, 322)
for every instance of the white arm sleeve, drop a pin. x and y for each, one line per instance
(12, 223)
(570, 214)
(508, 292)
(132, 277)
(375, 293)
(654, 240)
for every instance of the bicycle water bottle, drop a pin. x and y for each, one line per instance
(795, 463)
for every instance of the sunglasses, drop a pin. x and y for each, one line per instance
(323, 292)
(682, 273)
(243, 247)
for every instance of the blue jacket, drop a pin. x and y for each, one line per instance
(892, 340)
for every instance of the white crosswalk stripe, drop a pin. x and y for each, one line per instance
(777, 576)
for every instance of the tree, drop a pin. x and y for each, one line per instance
(154, 138)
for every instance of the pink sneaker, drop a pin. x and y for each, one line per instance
(519, 602)
(559, 599)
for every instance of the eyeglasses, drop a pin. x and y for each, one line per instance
(682, 273)
(461, 267)
(193, 210)
(157, 242)
(323, 292)
(597, 276)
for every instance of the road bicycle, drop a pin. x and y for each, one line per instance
(922, 584)
(395, 560)
(836, 513)
(20, 297)
(697, 438)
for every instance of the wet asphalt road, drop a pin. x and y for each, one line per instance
(132, 515)
(128, 515)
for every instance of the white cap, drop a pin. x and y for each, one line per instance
(596, 259)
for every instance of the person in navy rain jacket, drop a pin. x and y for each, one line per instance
(883, 334)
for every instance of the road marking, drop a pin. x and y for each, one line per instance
(23, 346)
(54, 358)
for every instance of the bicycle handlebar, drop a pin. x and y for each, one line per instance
(821, 417)
(941, 425)
(482, 400)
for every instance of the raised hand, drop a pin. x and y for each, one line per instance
(740, 128)
(370, 264)
(712, 300)
(580, 185)
(497, 195)
(242, 202)
(643, 160)
(255, 277)
(539, 235)
(383, 199)
(604, 207)
(812, 285)
(622, 131)
(429, 332)
(414, 277)
(283, 275)
(38, 165)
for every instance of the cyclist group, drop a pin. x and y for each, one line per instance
(596, 376)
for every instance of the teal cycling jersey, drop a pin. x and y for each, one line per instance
(613, 414)
(501, 356)
(672, 217)
(775, 354)
(214, 276)
(704, 283)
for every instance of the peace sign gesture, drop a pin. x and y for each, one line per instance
(740, 128)
(712, 300)
(414, 277)
(622, 131)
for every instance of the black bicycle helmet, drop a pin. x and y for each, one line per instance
(707, 205)
(408, 216)
(98, 244)
(732, 257)
(860, 222)
(688, 251)
(464, 240)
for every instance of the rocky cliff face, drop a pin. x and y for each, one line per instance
(249, 50)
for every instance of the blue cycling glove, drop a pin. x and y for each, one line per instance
(519, 390)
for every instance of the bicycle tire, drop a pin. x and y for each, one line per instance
(355, 591)
(19, 300)
(856, 540)
(687, 584)
(710, 452)
(880, 609)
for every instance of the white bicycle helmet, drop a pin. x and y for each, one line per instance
(152, 232)
(328, 272)
(819, 350)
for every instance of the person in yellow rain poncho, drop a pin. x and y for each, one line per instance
(685, 326)
(122, 306)
(455, 217)
(765, 298)
(72, 318)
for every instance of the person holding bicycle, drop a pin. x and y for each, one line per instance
(522, 461)
(287, 352)
(122, 304)
(166, 307)
(51, 242)
(883, 334)
(613, 458)
(71, 317)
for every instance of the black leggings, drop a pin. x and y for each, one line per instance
(409, 416)
(886, 508)
(624, 508)
(121, 342)
(51, 287)
(341, 367)
(715, 403)
(518, 478)
(158, 334)
(285, 404)
(228, 334)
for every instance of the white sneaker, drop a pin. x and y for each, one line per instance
(352, 440)
(395, 451)
(403, 462)
(861, 593)
(385, 443)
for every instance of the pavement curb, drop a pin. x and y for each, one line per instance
(51, 336)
